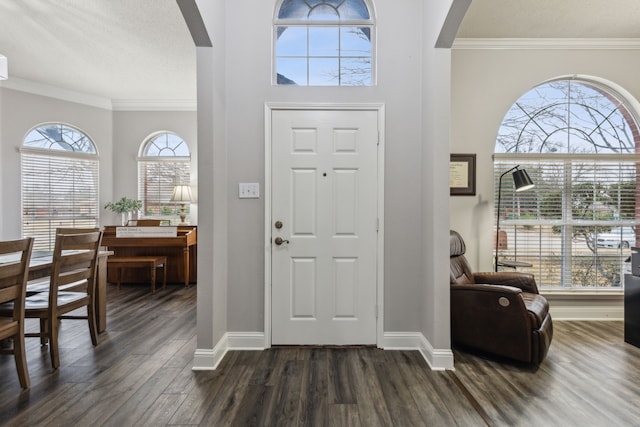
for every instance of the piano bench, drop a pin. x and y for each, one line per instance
(151, 262)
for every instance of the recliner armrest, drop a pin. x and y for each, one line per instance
(524, 281)
(491, 318)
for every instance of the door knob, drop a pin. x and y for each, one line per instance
(279, 240)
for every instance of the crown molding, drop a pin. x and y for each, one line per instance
(154, 105)
(546, 43)
(35, 88)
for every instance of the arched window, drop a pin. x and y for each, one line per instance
(324, 43)
(579, 142)
(164, 162)
(59, 182)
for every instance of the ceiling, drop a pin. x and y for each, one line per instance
(114, 49)
(590, 19)
(141, 50)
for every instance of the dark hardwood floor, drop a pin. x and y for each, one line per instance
(140, 374)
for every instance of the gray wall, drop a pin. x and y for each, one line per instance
(485, 83)
(249, 87)
(130, 130)
(416, 192)
(21, 112)
(117, 135)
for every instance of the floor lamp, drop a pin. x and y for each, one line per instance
(521, 182)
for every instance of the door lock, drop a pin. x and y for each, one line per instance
(278, 225)
(279, 240)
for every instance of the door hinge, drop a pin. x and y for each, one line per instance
(377, 224)
(375, 310)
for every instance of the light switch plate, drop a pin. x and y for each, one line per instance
(249, 190)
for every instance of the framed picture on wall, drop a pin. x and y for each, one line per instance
(462, 175)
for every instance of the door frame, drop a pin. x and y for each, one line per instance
(268, 109)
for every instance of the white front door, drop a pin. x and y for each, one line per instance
(324, 208)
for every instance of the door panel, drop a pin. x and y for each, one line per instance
(324, 191)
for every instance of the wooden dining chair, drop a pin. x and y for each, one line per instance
(13, 283)
(74, 265)
(72, 230)
(42, 284)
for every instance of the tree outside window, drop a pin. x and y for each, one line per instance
(579, 142)
(165, 162)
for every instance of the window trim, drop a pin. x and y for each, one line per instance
(45, 236)
(623, 149)
(168, 159)
(370, 23)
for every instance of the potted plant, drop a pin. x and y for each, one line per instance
(124, 206)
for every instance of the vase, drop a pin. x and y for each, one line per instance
(124, 218)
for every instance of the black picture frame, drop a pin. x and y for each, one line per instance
(462, 175)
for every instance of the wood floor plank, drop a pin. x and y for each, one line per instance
(206, 386)
(162, 411)
(287, 395)
(372, 408)
(145, 398)
(141, 374)
(254, 409)
(225, 406)
(397, 395)
(343, 415)
(314, 390)
(433, 392)
(340, 381)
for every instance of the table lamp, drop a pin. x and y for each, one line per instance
(182, 195)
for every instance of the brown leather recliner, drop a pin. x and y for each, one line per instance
(499, 313)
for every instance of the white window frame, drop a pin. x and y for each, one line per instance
(304, 23)
(56, 202)
(605, 165)
(166, 159)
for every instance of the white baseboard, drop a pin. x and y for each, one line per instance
(586, 313)
(208, 359)
(246, 341)
(437, 359)
(587, 306)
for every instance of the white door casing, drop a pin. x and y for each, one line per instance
(324, 189)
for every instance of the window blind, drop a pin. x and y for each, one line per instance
(557, 225)
(156, 179)
(57, 191)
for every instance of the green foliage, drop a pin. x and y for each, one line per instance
(124, 205)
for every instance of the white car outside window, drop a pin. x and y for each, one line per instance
(618, 237)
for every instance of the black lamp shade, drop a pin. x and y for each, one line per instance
(521, 180)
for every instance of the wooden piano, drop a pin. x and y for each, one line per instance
(180, 252)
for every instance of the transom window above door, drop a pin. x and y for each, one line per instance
(324, 43)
